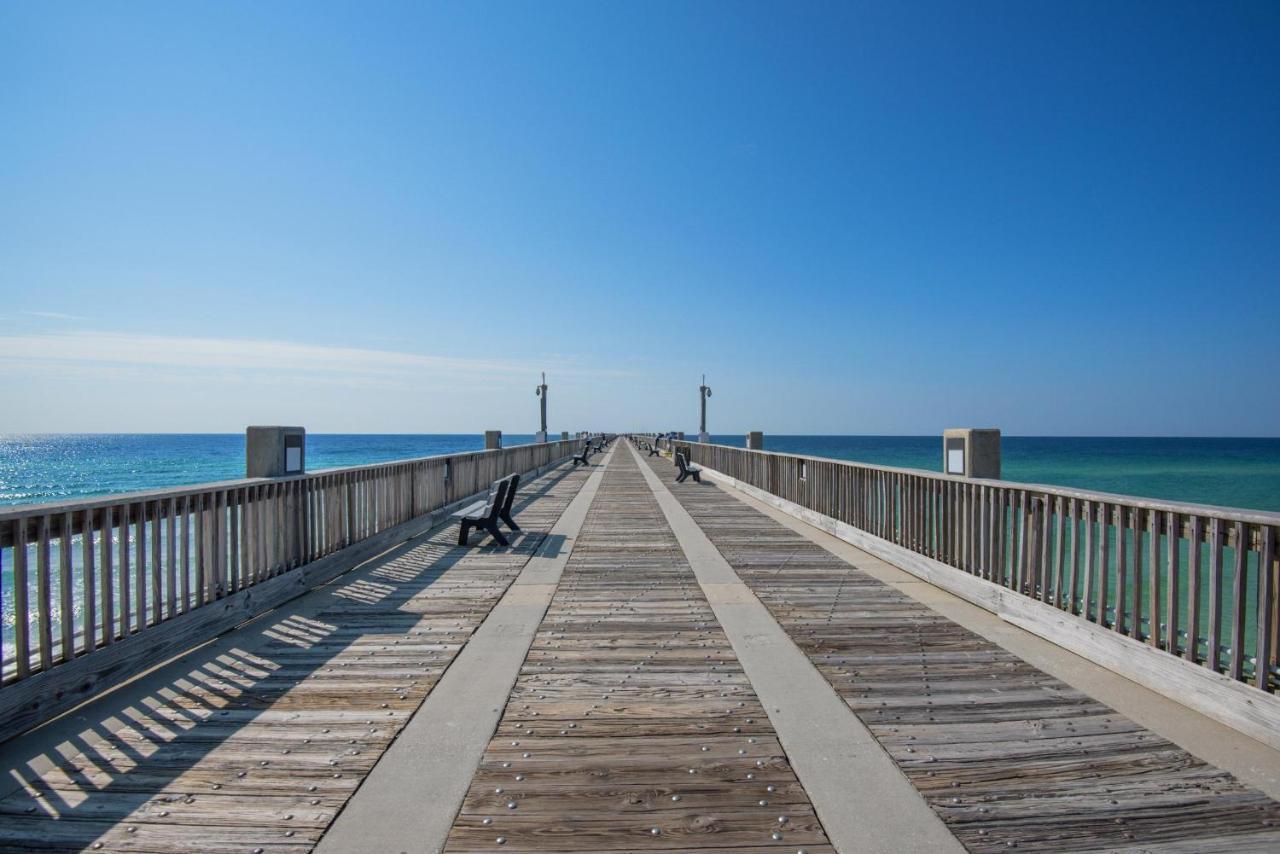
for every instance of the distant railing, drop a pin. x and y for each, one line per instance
(77, 577)
(1197, 581)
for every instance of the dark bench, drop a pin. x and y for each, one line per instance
(687, 469)
(485, 513)
(582, 458)
(653, 450)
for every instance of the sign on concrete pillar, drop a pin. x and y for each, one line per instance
(755, 441)
(971, 452)
(274, 451)
(492, 440)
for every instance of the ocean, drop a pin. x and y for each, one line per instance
(38, 468)
(1227, 472)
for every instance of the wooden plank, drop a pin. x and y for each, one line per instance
(1239, 611)
(140, 566)
(185, 588)
(66, 609)
(44, 602)
(157, 563)
(88, 583)
(171, 557)
(1089, 552)
(980, 733)
(1073, 562)
(1216, 533)
(1124, 524)
(1059, 554)
(105, 542)
(1195, 545)
(1154, 636)
(1104, 559)
(21, 606)
(1173, 580)
(123, 570)
(631, 713)
(200, 583)
(1267, 596)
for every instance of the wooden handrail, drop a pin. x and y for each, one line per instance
(1194, 580)
(81, 575)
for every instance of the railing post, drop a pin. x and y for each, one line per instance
(755, 441)
(492, 440)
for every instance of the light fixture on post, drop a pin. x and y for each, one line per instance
(541, 392)
(704, 391)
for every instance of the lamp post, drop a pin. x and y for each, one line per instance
(541, 392)
(704, 391)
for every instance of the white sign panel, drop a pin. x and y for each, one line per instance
(955, 461)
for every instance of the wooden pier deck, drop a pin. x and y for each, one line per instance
(638, 712)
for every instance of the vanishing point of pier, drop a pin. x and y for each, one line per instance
(314, 663)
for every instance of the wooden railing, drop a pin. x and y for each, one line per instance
(77, 577)
(1193, 580)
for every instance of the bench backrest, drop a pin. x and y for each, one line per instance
(497, 499)
(512, 485)
(681, 462)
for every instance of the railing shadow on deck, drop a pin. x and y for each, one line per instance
(156, 729)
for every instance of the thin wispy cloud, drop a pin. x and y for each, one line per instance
(76, 352)
(53, 315)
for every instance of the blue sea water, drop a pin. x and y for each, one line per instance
(1229, 472)
(1226, 472)
(59, 467)
(37, 468)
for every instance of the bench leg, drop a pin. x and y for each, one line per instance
(463, 531)
(492, 528)
(697, 477)
(511, 523)
(680, 477)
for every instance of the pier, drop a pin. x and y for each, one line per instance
(794, 654)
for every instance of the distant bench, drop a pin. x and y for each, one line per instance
(486, 512)
(582, 458)
(687, 469)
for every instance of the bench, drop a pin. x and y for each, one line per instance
(582, 458)
(653, 450)
(687, 469)
(485, 513)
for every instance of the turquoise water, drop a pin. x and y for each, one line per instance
(1226, 472)
(1229, 472)
(58, 467)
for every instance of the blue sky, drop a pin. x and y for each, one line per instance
(853, 217)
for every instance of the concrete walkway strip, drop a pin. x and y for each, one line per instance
(864, 801)
(409, 801)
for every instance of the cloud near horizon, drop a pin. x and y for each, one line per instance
(99, 351)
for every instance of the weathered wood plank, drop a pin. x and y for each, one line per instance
(1007, 755)
(259, 741)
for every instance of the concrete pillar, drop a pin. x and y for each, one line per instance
(680, 435)
(274, 451)
(492, 440)
(564, 435)
(971, 452)
(755, 441)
